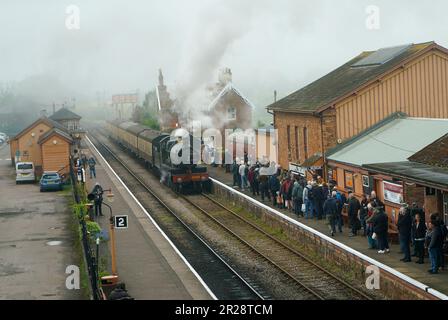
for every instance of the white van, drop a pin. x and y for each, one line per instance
(25, 172)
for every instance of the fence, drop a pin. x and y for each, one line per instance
(90, 258)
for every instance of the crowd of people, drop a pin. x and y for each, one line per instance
(316, 199)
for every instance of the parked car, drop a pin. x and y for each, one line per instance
(50, 181)
(25, 172)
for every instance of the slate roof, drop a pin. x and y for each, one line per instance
(227, 89)
(344, 81)
(436, 154)
(56, 131)
(65, 114)
(413, 171)
(48, 121)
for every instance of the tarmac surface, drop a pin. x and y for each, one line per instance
(36, 239)
(416, 271)
(146, 262)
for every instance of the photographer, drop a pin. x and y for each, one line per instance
(98, 192)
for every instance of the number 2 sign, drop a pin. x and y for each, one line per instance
(121, 222)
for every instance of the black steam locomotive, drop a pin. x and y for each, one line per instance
(155, 148)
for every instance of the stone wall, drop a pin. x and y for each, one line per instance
(320, 249)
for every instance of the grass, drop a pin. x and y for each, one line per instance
(79, 252)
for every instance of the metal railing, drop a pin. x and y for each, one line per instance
(90, 258)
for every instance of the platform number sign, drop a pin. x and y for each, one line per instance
(121, 222)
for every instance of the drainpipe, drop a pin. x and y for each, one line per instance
(324, 166)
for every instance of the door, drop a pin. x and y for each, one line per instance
(445, 207)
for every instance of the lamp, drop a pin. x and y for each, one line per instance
(110, 197)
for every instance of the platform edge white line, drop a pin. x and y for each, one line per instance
(358, 254)
(157, 226)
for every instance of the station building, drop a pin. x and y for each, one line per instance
(367, 89)
(423, 177)
(48, 142)
(358, 164)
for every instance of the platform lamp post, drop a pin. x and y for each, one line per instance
(111, 280)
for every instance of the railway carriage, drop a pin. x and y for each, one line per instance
(154, 148)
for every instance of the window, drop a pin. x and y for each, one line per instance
(288, 136)
(305, 142)
(231, 113)
(430, 191)
(349, 180)
(296, 129)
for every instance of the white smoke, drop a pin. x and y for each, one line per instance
(219, 26)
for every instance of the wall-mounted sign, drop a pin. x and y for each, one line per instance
(393, 192)
(365, 181)
(349, 180)
(297, 169)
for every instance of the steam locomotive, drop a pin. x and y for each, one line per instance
(154, 148)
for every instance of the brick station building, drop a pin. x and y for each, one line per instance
(412, 79)
(423, 177)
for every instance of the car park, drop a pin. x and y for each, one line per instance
(50, 181)
(25, 172)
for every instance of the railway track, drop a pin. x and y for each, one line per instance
(313, 281)
(321, 283)
(224, 281)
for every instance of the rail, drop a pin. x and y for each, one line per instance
(163, 204)
(340, 245)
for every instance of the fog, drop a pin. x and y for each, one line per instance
(120, 45)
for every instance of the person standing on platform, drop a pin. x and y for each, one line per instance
(341, 200)
(264, 184)
(380, 229)
(308, 199)
(235, 173)
(243, 175)
(435, 245)
(330, 211)
(370, 213)
(404, 225)
(419, 238)
(98, 192)
(319, 198)
(274, 186)
(92, 164)
(353, 211)
(297, 197)
(363, 211)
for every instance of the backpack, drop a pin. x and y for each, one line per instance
(310, 194)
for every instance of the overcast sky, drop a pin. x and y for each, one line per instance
(269, 45)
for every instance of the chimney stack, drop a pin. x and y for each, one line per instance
(275, 96)
(225, 76)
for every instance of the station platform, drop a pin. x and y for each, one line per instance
(359, 243)
(146, 262)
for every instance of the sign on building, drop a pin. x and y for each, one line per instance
(393, 192)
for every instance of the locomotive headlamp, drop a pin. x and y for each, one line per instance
(179, 180)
